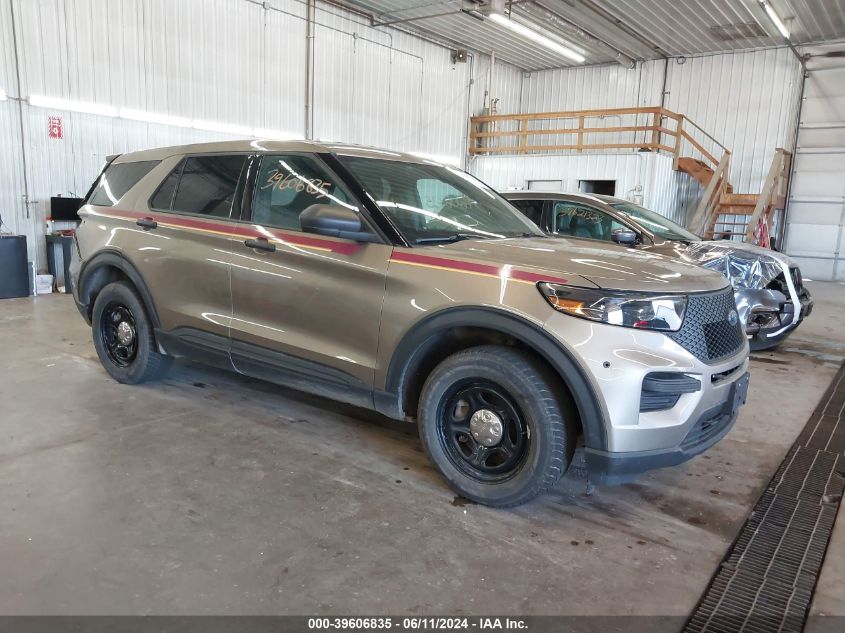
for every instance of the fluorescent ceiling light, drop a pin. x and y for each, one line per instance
(775, 18)
(152, 117)
(273, 135)
(534, 36)
(73, 106)
(226, 128)
(445, 160)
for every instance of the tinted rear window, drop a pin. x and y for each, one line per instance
(207, 184)
(163, 198)
(532, 209)
(117, 180)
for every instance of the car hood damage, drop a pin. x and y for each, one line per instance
(744, 265)
(751, 270)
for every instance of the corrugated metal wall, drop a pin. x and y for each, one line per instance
(746, 100)
(592, 87)
(227, 61)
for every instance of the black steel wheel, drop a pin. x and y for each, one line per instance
(123, 335)
(483, 431)
(119, 333)
(491, 420)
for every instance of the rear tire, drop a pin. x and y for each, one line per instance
(756, 344)
(123, 336)
(492, 425)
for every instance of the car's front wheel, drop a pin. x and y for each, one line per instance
(123, 336)
(493, 426)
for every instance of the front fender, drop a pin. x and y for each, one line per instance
(406, 356)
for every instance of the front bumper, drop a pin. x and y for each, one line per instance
(710, 427)
(771, 336)
(631, 438)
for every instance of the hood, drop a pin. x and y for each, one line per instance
(605, 266)
(744, 265)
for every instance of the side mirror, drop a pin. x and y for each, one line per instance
(335, 221)
(626, 237)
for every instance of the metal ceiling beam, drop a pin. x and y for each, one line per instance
(786, 40)
(423, 34)
(622, 26)
(575, 29)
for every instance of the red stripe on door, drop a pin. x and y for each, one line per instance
(473, 267)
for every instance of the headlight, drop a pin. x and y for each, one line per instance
(629, 309)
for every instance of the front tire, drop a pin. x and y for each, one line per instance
(492, 425)
(123, 336)
(759, 344)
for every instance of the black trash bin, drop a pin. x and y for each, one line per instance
(14, 270)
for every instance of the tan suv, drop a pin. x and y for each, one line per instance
(413, 289)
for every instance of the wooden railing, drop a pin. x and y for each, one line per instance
(773, 195)
(652, 129)
(712, 197)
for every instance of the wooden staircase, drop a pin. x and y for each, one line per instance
(725, 214)
(699, 170)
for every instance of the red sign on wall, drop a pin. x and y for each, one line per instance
(54, 127)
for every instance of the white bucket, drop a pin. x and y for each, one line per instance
(43, 284)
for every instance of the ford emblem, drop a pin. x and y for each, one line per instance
(733, 317)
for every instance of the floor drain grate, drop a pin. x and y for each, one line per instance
(766, 581)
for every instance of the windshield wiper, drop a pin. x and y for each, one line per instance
(455, 237)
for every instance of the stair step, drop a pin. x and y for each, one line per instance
(699, 170)
(741, 198)
(745, 196)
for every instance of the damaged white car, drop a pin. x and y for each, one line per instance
(770, 295)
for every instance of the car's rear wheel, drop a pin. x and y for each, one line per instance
(123, 336)
(493, 426)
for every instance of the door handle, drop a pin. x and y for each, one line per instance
(146, 223)
(261, 243)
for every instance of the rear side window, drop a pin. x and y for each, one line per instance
(163, 198)
(117, 180)
(531, 209)
(204, 185)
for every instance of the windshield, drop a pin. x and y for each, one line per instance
(654, 222)
(430, 203)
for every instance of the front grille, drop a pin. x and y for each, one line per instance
(707, 332)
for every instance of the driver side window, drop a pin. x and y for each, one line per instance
(287, 185)
(579, 220)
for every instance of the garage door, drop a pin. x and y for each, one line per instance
(816, 212)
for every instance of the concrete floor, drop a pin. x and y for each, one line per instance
(209, 493)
